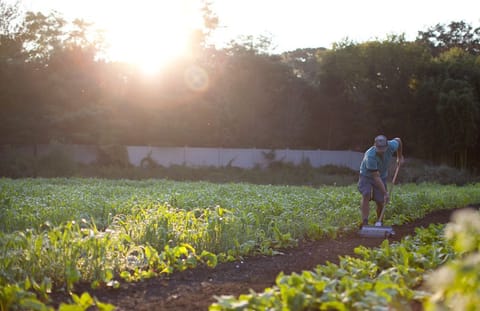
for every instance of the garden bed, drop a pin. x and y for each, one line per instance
(195, 289)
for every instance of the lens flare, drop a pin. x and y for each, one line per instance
(196, 78)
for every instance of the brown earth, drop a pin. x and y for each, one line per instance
(195, 289)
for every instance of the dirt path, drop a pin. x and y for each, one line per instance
(194, 290)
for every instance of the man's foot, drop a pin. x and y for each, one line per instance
(364, 223)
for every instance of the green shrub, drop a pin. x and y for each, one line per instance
(57, 163)
(16, 163)
(337, 170)
(416, 171)
(148, 162)
(113, 155)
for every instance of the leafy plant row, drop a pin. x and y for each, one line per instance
(390, 277)
(58, 232)
(59, 258)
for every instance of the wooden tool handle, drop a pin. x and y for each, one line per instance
(394, 180)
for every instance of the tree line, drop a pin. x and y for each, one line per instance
(55, 88)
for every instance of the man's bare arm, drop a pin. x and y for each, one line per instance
(400, 159)
(380, 185)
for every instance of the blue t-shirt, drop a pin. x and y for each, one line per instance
(375, 162)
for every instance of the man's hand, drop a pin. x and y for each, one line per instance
(386, 198)
(400, 160)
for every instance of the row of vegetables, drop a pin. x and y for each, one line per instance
(56, 233)
(438, 268)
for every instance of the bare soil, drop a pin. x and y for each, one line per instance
(195, 289)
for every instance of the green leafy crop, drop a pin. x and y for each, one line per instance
(55, 233)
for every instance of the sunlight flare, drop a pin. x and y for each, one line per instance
(150, 34)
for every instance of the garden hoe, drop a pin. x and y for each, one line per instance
(380, 231)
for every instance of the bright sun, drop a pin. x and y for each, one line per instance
(149, 34)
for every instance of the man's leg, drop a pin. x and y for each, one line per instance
(378, 197)
(379, 209)
(365, 207)
(365, 187)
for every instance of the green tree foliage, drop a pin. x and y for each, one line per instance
(210, 20)
(441, 38)
(49, 87)
(400, 88)
(368, 89)
(55, 87)
(305, 63)
(259, 102)
(10, 43)
(43, 34)
(14, 110)
(453, 82)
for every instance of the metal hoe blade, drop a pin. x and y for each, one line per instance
(376, 232)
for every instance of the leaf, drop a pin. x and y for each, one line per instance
(33, 304)
(333, 305)
(105, 306)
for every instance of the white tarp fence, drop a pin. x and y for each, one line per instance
(215, 157)
(243, 158)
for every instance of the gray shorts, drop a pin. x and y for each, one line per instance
(366, 186)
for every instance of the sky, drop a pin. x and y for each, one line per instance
(316, 23)
(291, 24)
